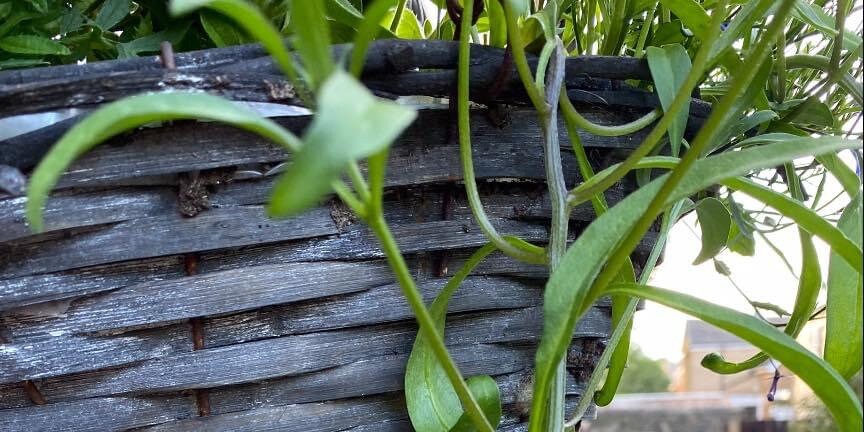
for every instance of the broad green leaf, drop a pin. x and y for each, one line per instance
(130, 113)
(714, 221)
(313, 40)
(71, 20)
(111, 13)
(672, 32)
(221, 30)
(843, 334)
(409, 27)
(826, 383)
(740, 239)
(744, 125)
(814, 15)
(252, 20)
(692, 14)
(342, 11)
(30, 44)
(485, 390)
(568, 287)
(814, 112)
(669, 68)
(340, 133)
(152, 42)
(432, 403)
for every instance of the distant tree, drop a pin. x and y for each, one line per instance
(643, 375)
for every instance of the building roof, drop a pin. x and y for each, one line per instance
(699, 333)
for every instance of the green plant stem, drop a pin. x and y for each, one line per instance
(639, 50)
(837, 50)
(780, 69)
(517, 48)
(622, 329)
(522, 251)
(358, 181)
(617, 350)
(427, 324)
(572, 115)
(590, 188)
(822, 63)
(712, 127)
(557, 195)
(400, 7)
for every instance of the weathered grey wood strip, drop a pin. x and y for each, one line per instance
(166, 150)
(98, 414)
(380, 304)
(295, 355)
(60, 353)
(29, 290)
(164, 235)
(94, 208)
(358, 242)
(217, 293)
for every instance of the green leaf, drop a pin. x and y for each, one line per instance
(809, 283)
(152, 42)
(111, 13)
(30, 44)
(130, 113)
(71, 20)
(485, 390)
(714, 221)
(669, 68)
(740, 239)
(313, 40)
(409, 27)
(497, 24)
(672, 32)
(843, 334)
(568, 287)
(350, 124)
(21, 63)
(222, 30)
(692, 15)
(342, 11)
(826, 383)
(816, 17)
(850, 181)
(432, 403)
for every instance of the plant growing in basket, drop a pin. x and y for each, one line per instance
(769, 110)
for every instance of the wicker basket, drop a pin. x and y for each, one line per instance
(161, 297)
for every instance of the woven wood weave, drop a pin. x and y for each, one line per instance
(160, 297)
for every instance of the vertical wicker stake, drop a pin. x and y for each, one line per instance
(190, 265)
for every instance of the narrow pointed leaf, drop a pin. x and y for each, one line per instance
(670, 66)
(350, 124)
(30, 44)
(568, 287)
(130, 113)
(826, 383)
(432, 403)
(714, 222)
(843, 334)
